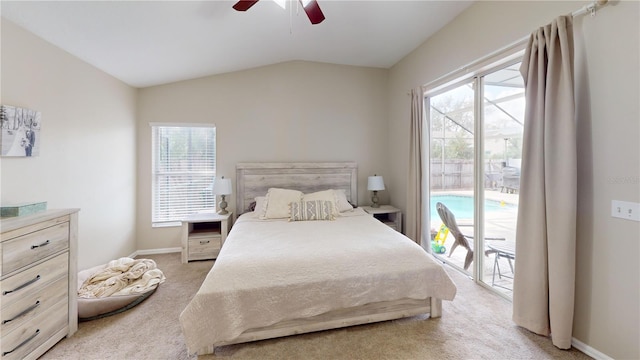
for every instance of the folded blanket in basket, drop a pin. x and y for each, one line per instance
(124, 276)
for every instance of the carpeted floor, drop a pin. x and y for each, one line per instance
(476, 325)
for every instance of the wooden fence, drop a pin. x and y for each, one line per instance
(453, 174)
(456, 174)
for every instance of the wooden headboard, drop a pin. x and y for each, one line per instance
(255, 179)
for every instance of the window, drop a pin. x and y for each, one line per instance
(184, 166)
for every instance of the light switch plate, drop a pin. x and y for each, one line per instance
(625, 210)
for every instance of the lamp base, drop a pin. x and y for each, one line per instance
(374, 200)
(223, 207)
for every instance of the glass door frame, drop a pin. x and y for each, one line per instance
(483, 67)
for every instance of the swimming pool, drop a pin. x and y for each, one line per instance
(462, 206)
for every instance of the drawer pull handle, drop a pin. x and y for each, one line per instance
(202, 242)
(41, 245)
(29, 309)
(22, 286)
(22, 343)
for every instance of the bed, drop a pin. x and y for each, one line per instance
(277, 277)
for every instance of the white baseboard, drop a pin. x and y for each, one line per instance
(155, 251)
(589, 350)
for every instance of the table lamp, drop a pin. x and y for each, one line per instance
(375, 184)
(222, 187)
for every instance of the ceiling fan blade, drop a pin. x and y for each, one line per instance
(313, 11)
(244, 5)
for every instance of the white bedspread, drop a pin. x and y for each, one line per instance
(270, 271)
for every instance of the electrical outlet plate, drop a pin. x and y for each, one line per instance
(625, 210)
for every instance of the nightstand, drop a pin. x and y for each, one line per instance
(387, 214)
(203, 235)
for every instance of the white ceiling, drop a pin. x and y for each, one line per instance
(145, 43)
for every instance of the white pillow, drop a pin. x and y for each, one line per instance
(341, 201)
(277, 203)
(261, 201)
(325, 195)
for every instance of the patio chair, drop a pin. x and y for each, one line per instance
(461, 239)
(510, 180)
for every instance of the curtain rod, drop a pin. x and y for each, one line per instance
(589, 8)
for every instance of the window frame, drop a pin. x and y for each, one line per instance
(206, 174)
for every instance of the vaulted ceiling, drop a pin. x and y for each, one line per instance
(145, 43)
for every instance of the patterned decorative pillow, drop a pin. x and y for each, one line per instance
(311, 210)
(325, 195)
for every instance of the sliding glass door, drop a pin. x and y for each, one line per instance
(503, 119)
(475, 150)
(452, 180)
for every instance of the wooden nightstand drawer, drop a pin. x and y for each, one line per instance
(391, 224)
(387, 214)
(32, 280)
(32, 305)
(26, 338)
(203, 235)
(204, 246)
(29, 248)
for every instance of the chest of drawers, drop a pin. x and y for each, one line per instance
(38, 283)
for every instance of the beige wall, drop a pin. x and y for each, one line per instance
(608, 103)
(87, 154)
(293, 111)
(607, 314)
(93, 139)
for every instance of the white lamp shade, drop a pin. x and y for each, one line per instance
(375, 183)
(222, 186)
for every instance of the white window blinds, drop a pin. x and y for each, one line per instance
(184, 166)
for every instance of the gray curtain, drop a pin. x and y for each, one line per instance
(544, 283)
(415, 191)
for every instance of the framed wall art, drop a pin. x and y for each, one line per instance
(20, 131)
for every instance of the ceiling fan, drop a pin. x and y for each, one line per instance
(310, 7)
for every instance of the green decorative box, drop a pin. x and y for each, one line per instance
(22, 209)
